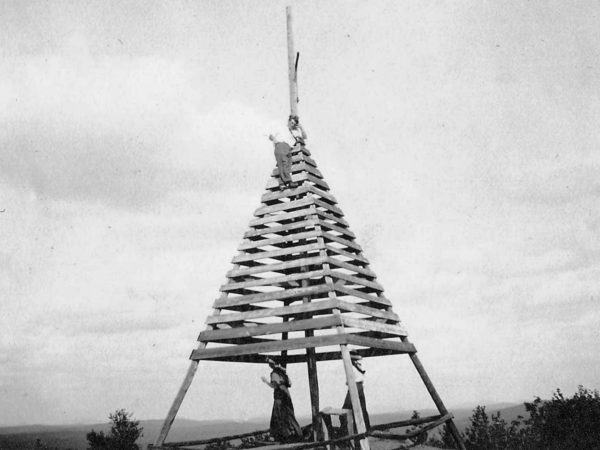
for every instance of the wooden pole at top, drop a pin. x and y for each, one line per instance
(292, 64)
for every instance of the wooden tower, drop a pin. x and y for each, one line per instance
(301, 291)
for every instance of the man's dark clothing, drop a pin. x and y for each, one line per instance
(283, 156)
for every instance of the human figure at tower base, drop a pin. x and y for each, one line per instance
(284, 426)
(359, 373)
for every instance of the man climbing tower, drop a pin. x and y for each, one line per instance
(283, 156)
(297, 131)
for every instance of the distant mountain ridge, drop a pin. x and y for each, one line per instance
(74, 436)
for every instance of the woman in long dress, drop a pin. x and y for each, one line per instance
(283, 427)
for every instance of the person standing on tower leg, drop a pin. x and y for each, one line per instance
(359, 373)
(283, 156)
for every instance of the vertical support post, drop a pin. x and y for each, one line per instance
(435, 396)
(187, 381)
(292, 64)
(356, 406)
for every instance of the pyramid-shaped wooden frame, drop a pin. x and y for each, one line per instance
(301, 291)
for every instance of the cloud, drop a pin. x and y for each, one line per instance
(125, 132)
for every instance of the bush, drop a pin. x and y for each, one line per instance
(122, 436)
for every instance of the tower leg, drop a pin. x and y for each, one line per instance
(313, 384)
(354, 397)
(435, 397)
(187, 381)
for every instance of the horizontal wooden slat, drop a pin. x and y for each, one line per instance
(286, 206)
(283, 217)
(278, 267)
(274, 281)
(324, 194)
(280, 228)
(274, 182)
(404, 347)
(301, 357)
(277, 253)
(355, 256)
(276, 195)
(316, 323)
(275, 346)
(367, 310)
(356, 280)
(342, 231)
(328, 207)
(371, 325)
(320, 306)
(278, 240)
(352, 267)
(339, 287)
(318, 181)
(339, 221)
(284, 294)
(300, 166)
(350, 244)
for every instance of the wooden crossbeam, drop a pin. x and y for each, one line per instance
(356, 280)
(286, 206)
(341, 289)
(281, 239)
(321, 307)
(354, 256)
(403, 347)
(394, 329)
(283, 217)
(352, 267)
(284, 294)
(275, 346)
(258, 232)
(271, 328)
(278, 267)
(274, 254)
(273, 281)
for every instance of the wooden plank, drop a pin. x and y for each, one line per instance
(275, 346)
(185, 385)
(367, 310)
(355, 256)
(350, 244)
(283, 216)
(355, 293)
(374, 326)
(277, 267)
(321, 306)
(401, 347)
(273, 182)
(284, 294)
(300, 358)
(274, 281)
(356, 280)
(328, 207)
(405, 423)
(285, 206)
(317, 181)
(215, 439)
(343, 231)
(309, 223)
(278, 240)
(340, 221)
(276, 195)
(352, 267)
(355, 399)
(316, 323)
(273, 254)
(326, 196)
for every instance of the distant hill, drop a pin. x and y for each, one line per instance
(73, 436)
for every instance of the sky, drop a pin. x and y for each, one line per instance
(460, 139)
